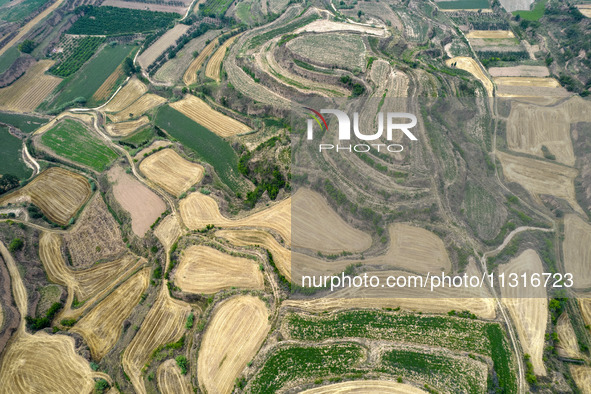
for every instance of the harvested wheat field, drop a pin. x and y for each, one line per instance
(170, 379)
(138, 108)
(215, 121)
(104, 91)
(102, 326)
(365, 386)
(529, 86)
(585, 306)
(281, 255)
(577, 250)
(541, 177)
(152, 148)
(519, 71)
(585, 9)
(214, 65)
(44, 363)
(59, 193)
(168, 230)
(232, 338)
(190, 76)
(164, 323)
(527, 81)
(133, 90)
(30, 90)
(490, 34)
(95, 236)
(470, 65)
(143, 205)
(316, 226)
(171, 172)
(582, 376)
(123, 129)
(199, 210)
(531, 129)
(206, 270)
(528, 307)
(568, 345)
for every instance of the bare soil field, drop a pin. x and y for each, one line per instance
(281, 255)
(470, 65)
(200, 112)
(143, 204)
(133, 90)
(170, 379)
(163, 324)
(531, 127)
(157, 48)
(316, 226)
(582, 376)
(168, 230)
(59, 194)
(490, 34)
(30, 90)
(232, 338)
(206, 270)
(102, 326)
(199, 210)
(540, 177)
(214, 65)
(577, 250)
(138, 107)
(528, 307)
(104, 91)
(568, 345)
(326, 26)
(95, 236)
(519, 71)
(365, 386)
(171, 172)
(190, 76)
(123, 129)
(147, 6)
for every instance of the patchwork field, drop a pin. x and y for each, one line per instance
(171, 172)
(30, 90)
(198, 210)
(95, 236)
(206, 270)
(133, 90)
(101, 327)
(281, 255)
(163, 324)
(200, 112)
(331, 49)
(190, 76)
(170, 379)
(138, 107)
(577, 250)
(59, 194)
(161, 45)
(365, 386)
(143, 204)
(528, 307)
(232, 338)
(540, 177)
(123, 129)
(104, 91)
(470, 65)
(214, 65)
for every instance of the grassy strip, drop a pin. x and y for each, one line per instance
(25, 123)
(11, 162)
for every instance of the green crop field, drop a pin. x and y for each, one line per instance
(114, 21)
(71, 60)
(141, 138)
(11, 162)
(215, 8)
(8, 58)
(71, 140)
(535, 14)
(292, 363)
(19, 12)
(208, 146)
(25, 123)
(463, 4)
(90, 77)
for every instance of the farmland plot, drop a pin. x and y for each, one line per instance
(519, 71)
(206, 270)
(326, 26)
(577, 250)
(11, 152)
(568, 345)
(138, 107)
(161, 45)
(168, 230)
(30, 90)
(133, 90)
(123, 129)
(582, 377)
(529, 86)
(170, 379)
(104, 91)
(331, 49)
(179, 7)
(214, 65)
(171, 172)
(190, 76)
(59, 194)
(470, 65)
(366, 386)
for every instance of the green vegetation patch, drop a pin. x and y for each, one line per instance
(73, 59)
(341, 50)
(71, 140)
(8, 58)
(139, 139)
(25, 123)
(463, 5)
(215, 8)
(208, 146)
(81, 86)
(20, 11)
(535, 14)
(292, 363)
(10, 152)
(113, 21)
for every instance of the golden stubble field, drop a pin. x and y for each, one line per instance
(214, 65)
(133, 90)
(59, 194)
(190, 76)
(170, 380)
(207, 270)
(232, 338)
(171, 172)
(138, 108)
(123, 129)
(366, 386)
(577, 250)
(470, 65)
(568, 345)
